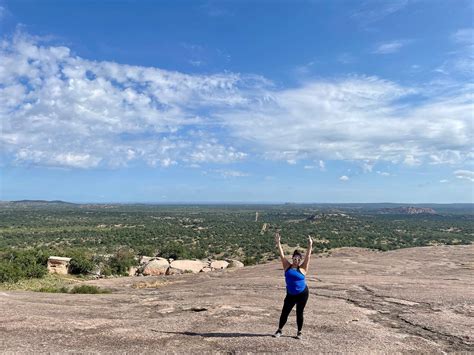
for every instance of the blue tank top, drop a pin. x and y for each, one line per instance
(295, 281)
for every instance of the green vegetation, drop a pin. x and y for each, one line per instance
(47, 282)
(88, 289)
(84, 289)
(111, 237)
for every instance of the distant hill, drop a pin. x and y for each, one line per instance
(33, 203)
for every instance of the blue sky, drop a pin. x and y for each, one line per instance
(237, 101)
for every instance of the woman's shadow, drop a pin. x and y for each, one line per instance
(215, 335)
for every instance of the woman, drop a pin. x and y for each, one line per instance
(296, 289)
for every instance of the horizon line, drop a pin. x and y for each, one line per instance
(232, 202)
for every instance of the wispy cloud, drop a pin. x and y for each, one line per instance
(231, 173)
(372, 11)
(305, 69)
(464, 35)
(357, 118)
(390, 47)
(3, 12)
(346, 58)
(460, 62)
(465, 175)
(344, 178)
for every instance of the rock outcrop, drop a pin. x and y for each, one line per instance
(58, 265)
(414, 300)
(219, 264)
(157, 266)
(408, 210)
(235, 263)
(182, 266)
(153, 266)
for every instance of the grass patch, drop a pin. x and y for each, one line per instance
(48, 282)
(53, 283)
(50, 289)
(89, 289)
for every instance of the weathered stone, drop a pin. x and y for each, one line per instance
(132, 271)
(172, 271)
(58, 265)
(235, 263)
(194, 266)
(145, 259)
(157, 266)
(219, 264)
(206, 269)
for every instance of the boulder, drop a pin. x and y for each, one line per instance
(132, 271)
(181, 266)
(219, 264)
(157, 266)
(235, 263)
(172, 271)
(145, 259)
(206, 269)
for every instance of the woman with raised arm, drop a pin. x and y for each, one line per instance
(296, 289)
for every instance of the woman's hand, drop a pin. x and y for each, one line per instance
(305, 264)
(277, 237)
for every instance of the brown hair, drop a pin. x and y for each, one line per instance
(297, 253)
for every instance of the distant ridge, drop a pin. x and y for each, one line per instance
(39, 202)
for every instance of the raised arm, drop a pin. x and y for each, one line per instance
(285, 262)
(307, 257)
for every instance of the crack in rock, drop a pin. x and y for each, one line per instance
(390, 313)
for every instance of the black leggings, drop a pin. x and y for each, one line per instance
(290, 300)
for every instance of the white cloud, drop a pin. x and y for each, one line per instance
(231, 173)
(305, 69)
(389, 47)
(322, 165)
(465, 175)
(357, 118)
(383, 173)
(61, 110)
(443, 181)
(367, 167)
(344, 178)
(464, 35)
(58, 109)
(309, 167)
(196, 63)
(411, 160)
(460, 62)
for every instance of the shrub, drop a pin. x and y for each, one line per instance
(53, 289)
(121, 262)
(9, 272)
(81, 262)
(19, 264)
(147, 250)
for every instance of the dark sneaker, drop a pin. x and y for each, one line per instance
(299, 336)
(277, 334)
